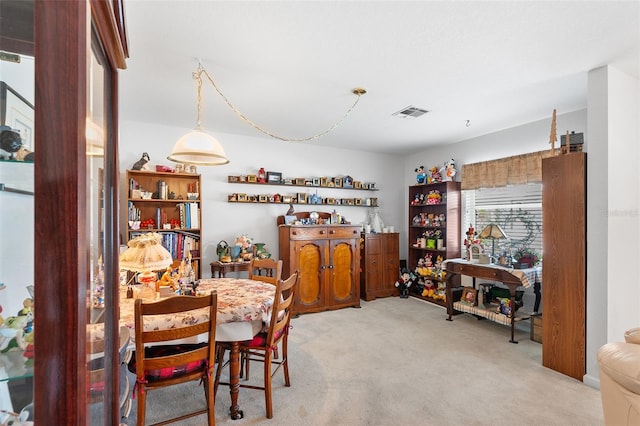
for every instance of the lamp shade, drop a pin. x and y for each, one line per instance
(492, 231)
(198, 147)
(145, 253)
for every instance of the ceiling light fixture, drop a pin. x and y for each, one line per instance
(358, 91)
(197, 146)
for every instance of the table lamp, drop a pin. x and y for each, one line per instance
(493, 232)
(144, 255)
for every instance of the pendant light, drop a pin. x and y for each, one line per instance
(198, 147)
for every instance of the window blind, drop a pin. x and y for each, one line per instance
(517, 209)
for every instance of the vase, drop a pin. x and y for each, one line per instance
(376, 223)
(235, 252)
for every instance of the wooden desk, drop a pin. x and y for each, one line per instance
(511, 278)
(223, 267)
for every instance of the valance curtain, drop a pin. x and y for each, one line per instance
(516, 170)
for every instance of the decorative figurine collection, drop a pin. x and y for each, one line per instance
(436, 174)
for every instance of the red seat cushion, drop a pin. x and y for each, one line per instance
(169, 372)
(260, 339)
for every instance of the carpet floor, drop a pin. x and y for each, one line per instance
(398, 362)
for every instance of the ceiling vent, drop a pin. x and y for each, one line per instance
(410, 112)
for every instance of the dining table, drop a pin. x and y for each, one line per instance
(244, 306)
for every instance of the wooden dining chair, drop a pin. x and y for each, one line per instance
(265, 270)
(162, 365)
(263, 345)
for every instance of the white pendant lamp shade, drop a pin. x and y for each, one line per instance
(198, 147)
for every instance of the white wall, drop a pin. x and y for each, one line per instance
(613, 210)
(224, 221)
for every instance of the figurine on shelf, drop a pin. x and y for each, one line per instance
(262, 175)
(142, 163)
(449, 170)
(404, 282)
(421, 175)
(435, 175)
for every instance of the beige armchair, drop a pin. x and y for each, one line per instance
(620, 380)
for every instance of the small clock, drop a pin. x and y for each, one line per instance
(314, 216)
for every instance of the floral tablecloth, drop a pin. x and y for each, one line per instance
(243, 305)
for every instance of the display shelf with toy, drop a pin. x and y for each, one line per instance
(434, 230)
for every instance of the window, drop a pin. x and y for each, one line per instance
(517, 209)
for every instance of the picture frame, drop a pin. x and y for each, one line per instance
(263, 198)
(302, 198)
(299, 181)
(17, 113)
(324, 181)
(287, 199)
(469, 296)
(242, 198)
(252, 178)
(357, 184)
(337, 182)
(315, 181)
(274, 178)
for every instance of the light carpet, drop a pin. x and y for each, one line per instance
(398, 362)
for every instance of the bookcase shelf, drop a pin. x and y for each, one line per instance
(175, 209)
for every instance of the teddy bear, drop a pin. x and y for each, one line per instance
(404, 282)
(421, 175)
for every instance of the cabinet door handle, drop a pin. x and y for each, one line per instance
(332, 232)
(323, 267)
(294, 233)
(330, 266)
(321, 232)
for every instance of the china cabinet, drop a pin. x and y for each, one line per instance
(78, 49)
(328, 260)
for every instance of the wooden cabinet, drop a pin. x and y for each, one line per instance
(434, 209)
(564, 269)
(328, 259)
(167, 203)
(379, 264)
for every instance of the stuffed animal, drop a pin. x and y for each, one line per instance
(142, 163)
(404, 282)
(449, 170)
(10, 143)
(421, 175)
(435, 175)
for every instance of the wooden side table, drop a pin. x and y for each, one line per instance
(223, 267)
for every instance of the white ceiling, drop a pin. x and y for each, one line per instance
(290, 66)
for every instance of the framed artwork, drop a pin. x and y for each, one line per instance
(299, 181)
(357, 184)
(252, 178)
(274, 177)
(17, 113)
(315, 182)
(469, 296)
(337, 182)
(263, 198)
(302, 198)
(324, 181)
(242, 197)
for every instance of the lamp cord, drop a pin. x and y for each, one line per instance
(197, 75)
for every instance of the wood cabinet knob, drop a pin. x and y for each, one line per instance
(321, 232)
(332, 232)
(294, 233)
